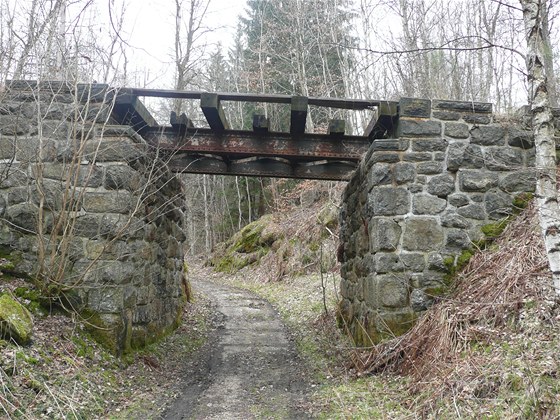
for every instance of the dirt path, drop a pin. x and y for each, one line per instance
(248, 370)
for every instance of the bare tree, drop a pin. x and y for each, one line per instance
(189, 31)
(534, 13)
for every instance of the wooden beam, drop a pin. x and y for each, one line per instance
(213, 111)
(337, 127)
(384, 125)
(240, 144)
(260, 123)
(341, 103)
(129, 110)
(181, 122)
(298, 114)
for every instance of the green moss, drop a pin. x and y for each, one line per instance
(15, 320)
(9, 261)
(493, 230)
(521, 201)
(231, 263)
(101, 331)
(396, 325)
(449, 263)
(246, 247)
(83, 349)
(464, 258)
(455, 265)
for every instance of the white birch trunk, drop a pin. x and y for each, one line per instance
(543, 130)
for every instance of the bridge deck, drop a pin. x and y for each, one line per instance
(221, 150)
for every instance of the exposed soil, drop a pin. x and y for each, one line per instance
(247, 369)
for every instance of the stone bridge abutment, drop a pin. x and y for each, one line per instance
(89, 213)
(416, 205)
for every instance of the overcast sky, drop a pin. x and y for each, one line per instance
(150, 31)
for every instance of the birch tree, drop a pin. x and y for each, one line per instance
(534, 13)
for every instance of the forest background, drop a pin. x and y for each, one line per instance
(470, 50)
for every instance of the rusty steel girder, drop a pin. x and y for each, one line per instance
(262, 166)
(249, 153)
(241, 144)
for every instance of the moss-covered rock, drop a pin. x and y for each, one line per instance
(247, 246)
(15, 320)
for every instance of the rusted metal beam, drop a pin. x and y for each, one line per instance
(240, 144)
(262, 167)
(340, 103)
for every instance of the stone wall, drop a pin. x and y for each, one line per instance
(417, 202)
(87, 212)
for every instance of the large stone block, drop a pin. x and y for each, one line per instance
(106, 299)
(414, 107)
(379, 174)
(388, 262)
(464, 156)
(417, 157)
(428, 204)
(519, 181)
(422, 234)
(108, 202)
(458, 199)
(419, 128)
(477, 118)
(14, 125)
(498, 204)
(389, 201)
(441, 185)
(419, 300)
(404, 172)
(520, 138)
(454, 220)
(35, 149)
(429, 168)
(385, 234)
(488, 135)
(457, 240)
(120, 149)
(7, 147)
(503, 158)
(122, 177)
(477, 181)
(446, 115)
(473, 211)
(23, 217)
(463, 106)
(457, 130)
(429, 145)
(415, 262)
(394, 290)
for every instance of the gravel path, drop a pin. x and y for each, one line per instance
(249, 369)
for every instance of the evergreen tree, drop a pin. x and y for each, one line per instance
(297, 47)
